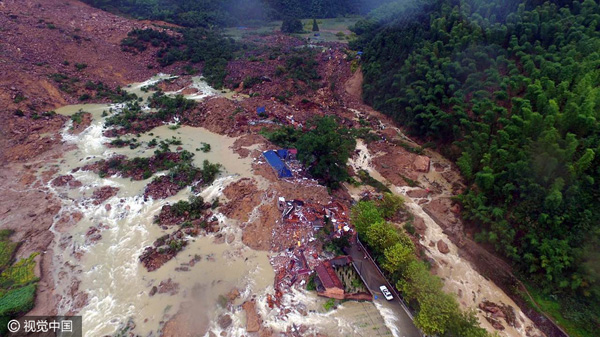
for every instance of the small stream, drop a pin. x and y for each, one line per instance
(457, 273)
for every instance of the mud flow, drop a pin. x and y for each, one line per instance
(98, 273)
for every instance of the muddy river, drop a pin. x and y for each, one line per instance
(118, 287)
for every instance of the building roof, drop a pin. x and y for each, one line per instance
(341, 260)
(327, 275)
(278, 165)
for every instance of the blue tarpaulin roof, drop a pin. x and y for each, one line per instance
(282, 153)
(261, 109)
(278, 165)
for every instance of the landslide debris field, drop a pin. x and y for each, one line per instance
(142, 193)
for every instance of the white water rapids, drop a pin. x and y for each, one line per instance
(104, 282)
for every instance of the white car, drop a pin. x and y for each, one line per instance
(386, 293)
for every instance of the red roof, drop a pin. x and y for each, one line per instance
(327, 275)
(341, 260)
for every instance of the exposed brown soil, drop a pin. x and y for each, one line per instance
(104, 193)
(28, 208)
(38, 36)
(353, 85)
(78, 127)
(243, 196)
(66, 180)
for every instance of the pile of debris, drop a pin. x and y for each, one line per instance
(297, 213)
(296, 238)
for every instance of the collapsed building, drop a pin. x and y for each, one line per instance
(301, 250)
(317, 216)
(332, 279)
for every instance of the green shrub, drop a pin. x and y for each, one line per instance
(17, 301)
(7, 249)
(20, 273)
(329, 304)
(291, 25)
(80, 66)
(311, 285)
(77, 117)
(85, 97)
(19, 98)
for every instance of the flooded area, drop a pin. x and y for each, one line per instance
(350, 318)
(102, 278)
(109, 271)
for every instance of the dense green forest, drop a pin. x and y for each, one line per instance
(511, 91)
(210, 13)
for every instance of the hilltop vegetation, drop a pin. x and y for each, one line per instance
(510, 90)
(211, 13)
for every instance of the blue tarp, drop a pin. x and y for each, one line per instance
(282, 153)
(261, 109)
(278, 165)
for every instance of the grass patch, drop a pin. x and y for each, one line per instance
(555, 309)
(366, 178)
(7, 248)
(17, 301)
(19, 274)
(17, 282)
(329, 304)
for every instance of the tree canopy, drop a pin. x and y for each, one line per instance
(212, 13)
(291, 25)
(438, 313)
(511, 91)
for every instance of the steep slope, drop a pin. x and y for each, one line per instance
(42, 38)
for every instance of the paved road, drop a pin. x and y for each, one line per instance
(374, 279)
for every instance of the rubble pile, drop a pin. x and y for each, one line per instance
(294, 236)
(66, 180)
(104, 193)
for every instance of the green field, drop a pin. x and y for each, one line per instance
(329, 29)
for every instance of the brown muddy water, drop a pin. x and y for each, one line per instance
(117, 285)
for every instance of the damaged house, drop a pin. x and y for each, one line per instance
(337, 278)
